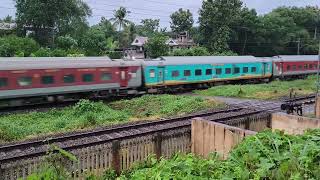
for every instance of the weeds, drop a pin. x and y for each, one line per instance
(86, 114)
(273, 90)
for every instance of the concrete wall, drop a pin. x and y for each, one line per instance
(292, 124)
(207, 137)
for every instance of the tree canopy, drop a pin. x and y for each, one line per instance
(52, 17)
(181, 20)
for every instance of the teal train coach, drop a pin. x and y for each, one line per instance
(205, 70)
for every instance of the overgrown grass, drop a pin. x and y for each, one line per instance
(272, 90)
(86, 114)
(268, 155)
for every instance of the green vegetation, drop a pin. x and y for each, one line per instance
(267, 155)
(272, 90)
(86, 114)
(224, 28)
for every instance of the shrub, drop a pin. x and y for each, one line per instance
(13, 45)
(59, 53)
(66, 42)
(43, 52)
(115, 54)
(196, 51)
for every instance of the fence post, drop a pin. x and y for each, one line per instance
(157, 147)
(116, 156)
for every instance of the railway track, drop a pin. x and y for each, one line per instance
(69, 142)
(77, 140)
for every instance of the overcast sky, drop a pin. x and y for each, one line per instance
(141, 9)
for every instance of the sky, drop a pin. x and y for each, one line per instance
(161, 9)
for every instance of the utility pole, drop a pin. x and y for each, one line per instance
(317, 106)
(298, 50)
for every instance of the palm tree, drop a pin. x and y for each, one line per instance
(119, 19)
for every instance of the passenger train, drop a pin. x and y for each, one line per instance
(25, 81)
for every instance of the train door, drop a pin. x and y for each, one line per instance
(161, 75)
(264, 68)
(124, 76)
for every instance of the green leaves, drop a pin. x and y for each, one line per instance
(268, 155)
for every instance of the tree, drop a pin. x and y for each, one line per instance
(156, 46)
(13, 45)
(181, 20)
(94, 42)
(196, 51)
(66, 42)
(50, 18)
(119, 18)
(149, 27)
(7, 19)
(215, 19)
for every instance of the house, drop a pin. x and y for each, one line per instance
(137, 50)
(7, 26)
(182, 41)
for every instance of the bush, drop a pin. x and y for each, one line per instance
(43, 52)
(115, 54)
(196, 51)
(13, 45)
(66, 42)
(59, 53)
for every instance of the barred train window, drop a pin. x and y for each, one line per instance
(310, 66)
(306, 66)
(245, 69)
(87, 77)
(288, 67)
(236, 70)
(228, 71)
(218, 71)
(3, 82)
(253, 69)
(152, 73)
(106, 76)
(209, 72)
(25, 81)
(187, 73)
(198, 72)
(47, 80)
(175, 73)
(68, 78)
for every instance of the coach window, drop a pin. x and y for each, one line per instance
(3, 82)
(245, 69)
(218, 71)
(228, 70)
(25, 81)
(310, 66)
(87, 77)
(47, 80)
(288, 67)
(306, 66)
(175, 73)
(294, 67)
(68, 78)
(198, 72)
(300, 67)
(236, 70)
(208, 71)
(152, 73)
(187, 73)
(253, 69)
(106, 76)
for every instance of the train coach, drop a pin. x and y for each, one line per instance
(205, 71)
(287, 67)
(37, 80)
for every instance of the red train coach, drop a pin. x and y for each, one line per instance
(34, 80)
(294, 66)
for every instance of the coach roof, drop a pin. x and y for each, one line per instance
(61, 62)
(178, 60)
(296, 58)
